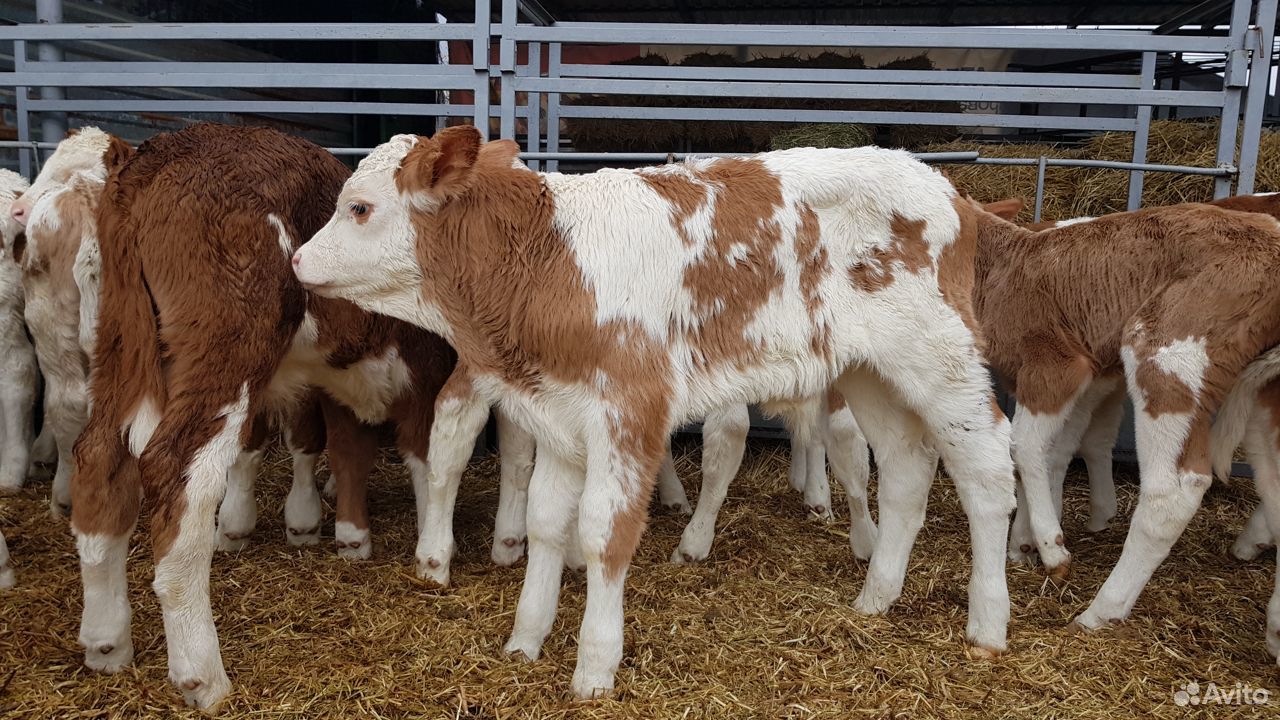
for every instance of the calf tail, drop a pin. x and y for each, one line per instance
(1233, 417)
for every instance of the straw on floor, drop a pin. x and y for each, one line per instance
(764, 628)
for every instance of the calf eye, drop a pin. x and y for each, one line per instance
(360, 211)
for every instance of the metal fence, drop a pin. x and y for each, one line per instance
(522, 87)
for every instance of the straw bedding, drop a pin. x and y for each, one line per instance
(764, 628)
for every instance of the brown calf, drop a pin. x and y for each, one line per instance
(1172, 302)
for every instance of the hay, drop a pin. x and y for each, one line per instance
(764, 629)
(822, 135)
(1076, 192)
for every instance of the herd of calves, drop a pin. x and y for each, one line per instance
(188, 298)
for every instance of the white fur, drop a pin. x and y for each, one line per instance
(353, 542)
(282, 237)
(303, 509)
(7, 578)
(238, 513)
(17, 358)
(509, 529)
(105, 619)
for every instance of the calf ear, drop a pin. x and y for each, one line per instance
(118, 151)
(1006, 209)
(441, 166)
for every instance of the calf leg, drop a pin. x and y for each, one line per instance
(621, 466)
(553, 495)
(847, 450)
(1172, 417)
(199, 436)
(304, 435)
(670, 490)
(1262, 444)
(1098, 449)
(106, 492)
(724, 440)
(68, 413)
(353, 449)
(459, 417)
(17, 401)
(798, 471)
(238, 513)
(1256, 538)
(806, 423)
(907, 467)
(515, 448)
(7, 580)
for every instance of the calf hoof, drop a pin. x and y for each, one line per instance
(355, 549)
(507, 551)
(871, 602)
(592, 686)
(1088, 621)
(681, 508)
(688, 553)
(308, 536)
(1060, 573)
(863, 545)
(1249, 551)
(981, 652)
(524, 649)
(1097, 525)
(7, 578)
(233, 541)
(204, 695)
(433, 570)
(108, 657)
(819, 512)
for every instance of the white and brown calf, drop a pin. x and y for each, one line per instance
(603, 310)
(1172, 303)
(59, 276)
(203, 328)
(17, 363)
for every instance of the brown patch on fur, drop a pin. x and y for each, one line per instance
(1162, 392)
(835, 401)
(1195, 456)
(353, 449)
(815, 266)
(728, 286)
(685, 195)
(907, 247)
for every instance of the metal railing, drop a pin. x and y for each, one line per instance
(1239, 102)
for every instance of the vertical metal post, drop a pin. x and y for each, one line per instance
(1142, 131)
(480, 64)
(1261, 35)
(1041, 167)
(20, 109)
(507, 66)
(533, 125)
(553, 107)
(1233, 81)
(53, 126)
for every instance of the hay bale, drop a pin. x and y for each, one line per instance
(823, 135)
(988, 183)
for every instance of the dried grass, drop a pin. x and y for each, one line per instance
(1077, 192)
(764, 629)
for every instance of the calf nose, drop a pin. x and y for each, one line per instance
(19, 213)
(297, 260)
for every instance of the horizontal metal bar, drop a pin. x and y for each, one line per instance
(959, 119)
(250, 68)
(1224, 171)
(662, 157)
(301, 107)
(918, 77)
(241, 31)
(351, 80)
(971, 93)
(861, 36)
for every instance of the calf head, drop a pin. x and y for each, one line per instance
(12, 186)
(86, 156)
(401, 194)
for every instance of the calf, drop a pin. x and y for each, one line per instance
(1173, 303)
(202, 329)
(603, 310)
(17, 362)
(1095, 432)
(59, 276)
